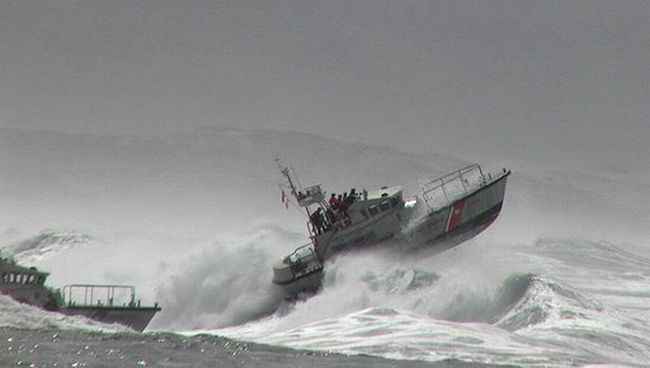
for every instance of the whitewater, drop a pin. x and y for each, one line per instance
(560, 279)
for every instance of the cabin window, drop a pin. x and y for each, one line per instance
(394, 202)
(32, 279)
(5, 278)
(373, 210)
(12, 278)
(384, 206)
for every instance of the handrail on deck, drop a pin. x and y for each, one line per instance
(440, 183)
(301, 262)
(89, 293)
(298, 250)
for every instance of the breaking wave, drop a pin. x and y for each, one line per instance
(227, 283)
(533, 299)
(44, 245)
(528, 319)
(16, 315)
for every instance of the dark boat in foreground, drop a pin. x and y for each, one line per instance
(451, 210)
(97, 302)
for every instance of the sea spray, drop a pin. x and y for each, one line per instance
(227, 283)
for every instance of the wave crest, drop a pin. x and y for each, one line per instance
(44, 245)
(543, 298)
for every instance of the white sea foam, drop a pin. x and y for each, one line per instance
(529, 319)
(199, 234)
(17, 315)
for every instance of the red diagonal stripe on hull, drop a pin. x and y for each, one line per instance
(456, 213)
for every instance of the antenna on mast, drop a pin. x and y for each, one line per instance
(287, 174)
(304, 196)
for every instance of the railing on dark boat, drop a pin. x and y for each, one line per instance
(88, 300)
(91, 298)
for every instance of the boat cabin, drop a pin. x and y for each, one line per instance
(359, 208)
(380, 201)
(12, 274)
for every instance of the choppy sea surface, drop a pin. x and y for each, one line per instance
(194, 221)
(554, 303)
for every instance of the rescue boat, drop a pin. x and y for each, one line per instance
(450, 210)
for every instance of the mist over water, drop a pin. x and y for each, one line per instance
(226, 284)
(195, 221)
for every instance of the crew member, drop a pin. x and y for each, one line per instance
(316, 220)
(333, 202)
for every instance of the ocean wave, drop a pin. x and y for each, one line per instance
(530, 319)
(533, 299)
(17, 315)
(400, 280)
(44, 245)
(227, 284)
(592, 254)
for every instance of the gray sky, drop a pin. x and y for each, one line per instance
(555, 81)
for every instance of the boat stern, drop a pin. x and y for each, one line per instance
(299, 272)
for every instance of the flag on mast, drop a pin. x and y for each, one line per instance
(285, 199)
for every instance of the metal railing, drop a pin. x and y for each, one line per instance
(93, 295)
(452, 186)
(303, 260)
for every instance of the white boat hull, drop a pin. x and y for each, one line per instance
(434, 230)
(459, 221)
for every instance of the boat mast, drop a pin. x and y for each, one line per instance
(287, 174)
